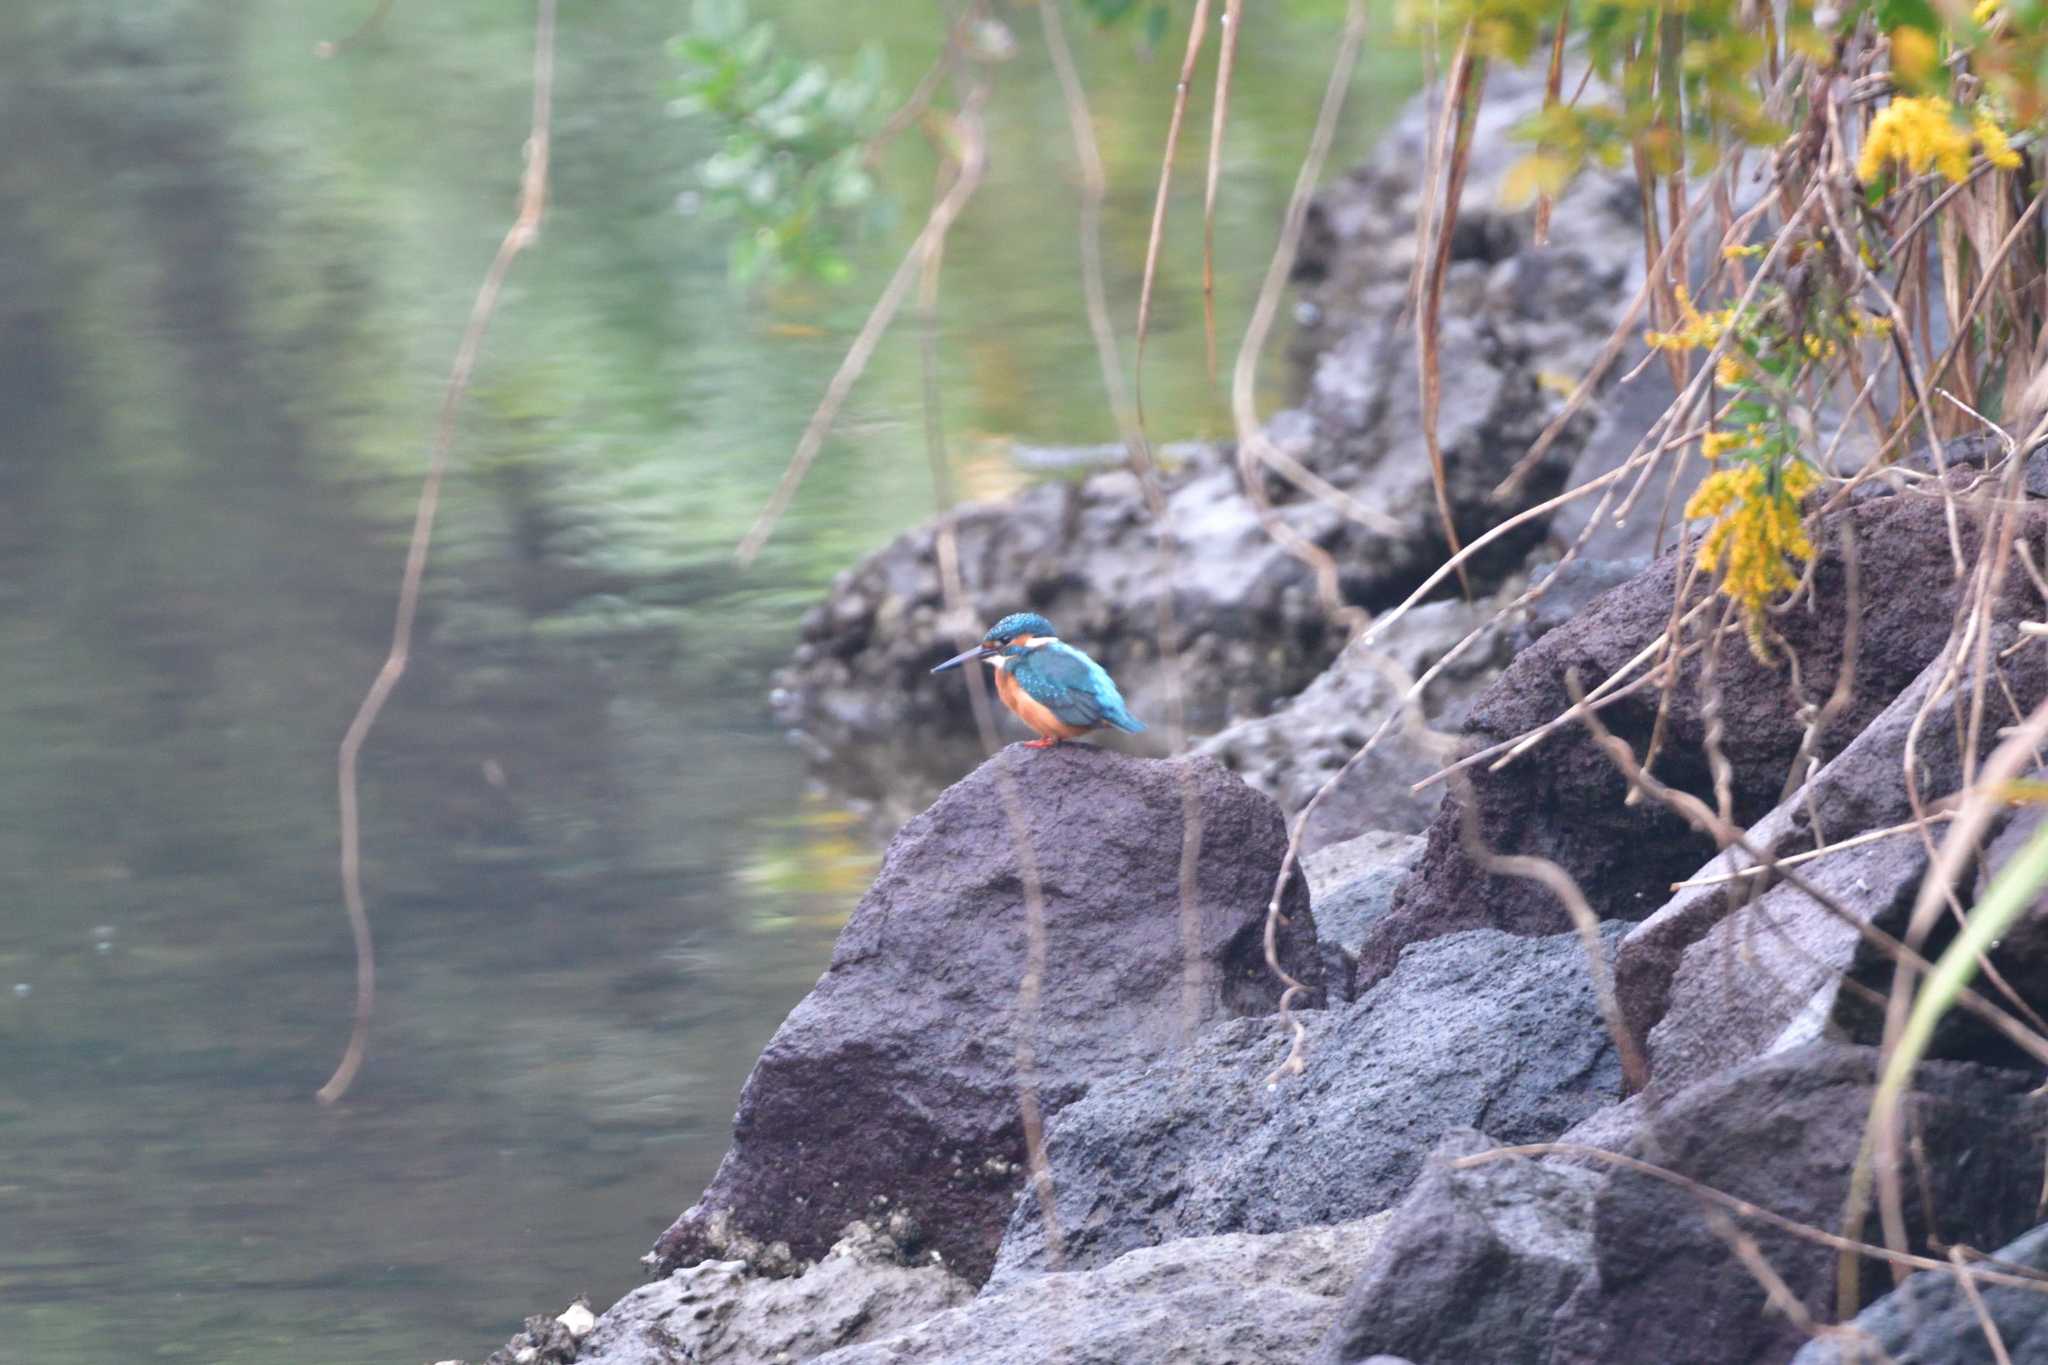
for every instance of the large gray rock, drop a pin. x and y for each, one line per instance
(716, 1313)
(1565, 800)
(1290, 754)
(1929, 1320)
(1783, 1134)
(1247, 624)
(1476, 1028)
(1472, 1265)
(894, 1083)
(1352, 884)
(1766, 977)
(1237, 1299)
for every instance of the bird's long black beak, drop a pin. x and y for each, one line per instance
(978, 652)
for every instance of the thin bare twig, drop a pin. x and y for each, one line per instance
(1226, 62)
(524, 231)
(937, 224)
(1461, 97)
(1198, 29)
(1253, 443)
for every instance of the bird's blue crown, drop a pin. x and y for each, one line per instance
(1019, 623)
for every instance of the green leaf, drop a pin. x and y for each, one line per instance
(1918, 14)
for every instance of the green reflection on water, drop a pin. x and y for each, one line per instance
(233, 281)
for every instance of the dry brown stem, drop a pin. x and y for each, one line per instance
(524, 231)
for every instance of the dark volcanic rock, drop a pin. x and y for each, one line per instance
(1477, 1027)
(1929, 1321)
(1248, 627)
(893, 1084)
(1232, 1300)
(1565, 800)
(1473, 1264)
(1783, 1133)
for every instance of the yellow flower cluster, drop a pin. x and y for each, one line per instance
(1923, 133)
(1756, 528)
(1701, 330)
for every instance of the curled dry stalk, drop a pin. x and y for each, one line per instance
(1635, 1072)
(524, 231)
(1256, 450)
(1553, 87)
(1966, 1279)
(1198, 29)
(1460, 113)
(1226, 63)
(1138, 454)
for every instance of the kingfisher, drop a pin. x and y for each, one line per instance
(1053, 687)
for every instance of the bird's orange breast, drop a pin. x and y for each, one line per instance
(1031, 711)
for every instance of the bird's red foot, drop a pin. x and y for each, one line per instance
(1046, 742)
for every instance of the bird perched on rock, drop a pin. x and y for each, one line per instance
(1054, 688)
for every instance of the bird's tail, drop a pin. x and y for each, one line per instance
(1125, 721)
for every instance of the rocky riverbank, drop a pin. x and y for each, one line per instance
(1207, 1201)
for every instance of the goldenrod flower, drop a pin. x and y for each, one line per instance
(1913, 54)
(1757, 531)
(1923, 133)
(1729, 370)
(1715, 444)
(1997, 150)
(1984, 10)
(1701, 330)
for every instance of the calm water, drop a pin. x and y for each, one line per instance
(231, 277)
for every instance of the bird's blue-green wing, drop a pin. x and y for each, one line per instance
(1073, 687)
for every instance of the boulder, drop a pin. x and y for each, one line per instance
(717, 1313)
(1472, 1264)
(1291, 753)
(1237, 1299)
(1564, 800)
(1929, 1320)
(1516, 320)
(893, 1085)
(1782, 1133)
(1476, 1027)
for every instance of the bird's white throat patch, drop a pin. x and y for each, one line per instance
(1036, 642)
